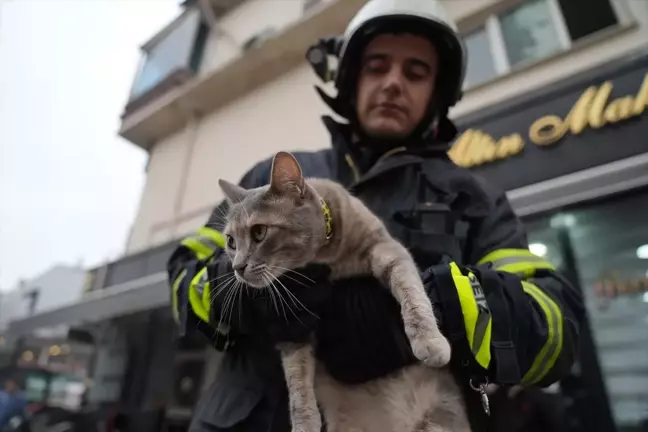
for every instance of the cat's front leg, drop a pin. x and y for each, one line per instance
(393, 265)
(298, 363)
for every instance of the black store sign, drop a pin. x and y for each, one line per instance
(589, 120)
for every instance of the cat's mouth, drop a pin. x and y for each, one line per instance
(259, 276)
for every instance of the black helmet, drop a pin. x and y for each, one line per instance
(422, 17)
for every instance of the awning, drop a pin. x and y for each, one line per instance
(140, 294)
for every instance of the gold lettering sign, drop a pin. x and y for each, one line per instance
(475, 148)
(592, 109)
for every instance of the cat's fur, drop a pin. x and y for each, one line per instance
(280, 227)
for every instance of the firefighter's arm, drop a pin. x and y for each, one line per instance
(520, 317)
(194, 267)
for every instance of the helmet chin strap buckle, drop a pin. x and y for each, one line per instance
(333, 103)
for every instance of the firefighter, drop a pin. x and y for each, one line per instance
(510, 317)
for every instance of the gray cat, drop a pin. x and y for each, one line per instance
(292, 222)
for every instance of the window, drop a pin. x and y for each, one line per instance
(530, 31)
(481, 66)
(178, 48)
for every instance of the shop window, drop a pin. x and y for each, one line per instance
(608, 245)
(481, 66)
(531, 31)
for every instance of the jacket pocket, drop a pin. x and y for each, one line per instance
(428, 249)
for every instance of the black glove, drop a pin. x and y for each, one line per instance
(361, 336)
(290, 311)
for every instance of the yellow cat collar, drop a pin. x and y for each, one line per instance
(328, 219)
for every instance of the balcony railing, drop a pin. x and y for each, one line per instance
(149, 262)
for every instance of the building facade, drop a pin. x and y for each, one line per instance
(555, 111)
(54, 367)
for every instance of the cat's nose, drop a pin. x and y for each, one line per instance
(239, 268)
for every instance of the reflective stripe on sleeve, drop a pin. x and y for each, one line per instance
(549, 353)
(205, 242)
(174, 297)
(477, 317)
(197, 287)
(200, 301)
(518, 261)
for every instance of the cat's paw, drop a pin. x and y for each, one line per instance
(432, 351)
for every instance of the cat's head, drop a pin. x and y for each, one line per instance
(275, 228)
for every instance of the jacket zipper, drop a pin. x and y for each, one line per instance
(352, 165)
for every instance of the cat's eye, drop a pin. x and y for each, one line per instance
(259, 232)
(230, 242)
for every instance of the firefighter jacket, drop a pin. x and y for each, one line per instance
(511, 318)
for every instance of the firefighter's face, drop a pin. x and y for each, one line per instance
(396, 82)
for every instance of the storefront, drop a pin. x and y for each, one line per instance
(574, 160)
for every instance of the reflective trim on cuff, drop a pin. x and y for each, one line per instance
(174, 295)
(205, 242)
(546, 358)
(197, 287)
(214, 235)
(476, 314)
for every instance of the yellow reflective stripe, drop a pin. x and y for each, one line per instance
(215, 236)
(197, 286)
(205, 242)
(472, 320)
(481, 349)
(174, 296)
(525, 268)
(549, 353)
(196, 246)
(517, 261)
(206, 294)
(499, 254)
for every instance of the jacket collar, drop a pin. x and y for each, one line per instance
(366, 166)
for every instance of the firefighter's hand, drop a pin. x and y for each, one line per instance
(289, 309)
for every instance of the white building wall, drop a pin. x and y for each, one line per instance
(58, 286)
(285, 114)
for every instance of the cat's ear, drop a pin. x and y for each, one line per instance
(233, 193)
(286, 177)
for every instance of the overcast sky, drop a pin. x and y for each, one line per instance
(69, 186)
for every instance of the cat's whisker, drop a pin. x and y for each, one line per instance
(271, 292)
(281, 299)
(222, 286)
(291, 295)
(294, 299)
(224, 305)
(228, 303)
(295, 280)
(222, 276)
(232, 302)
(293, 271)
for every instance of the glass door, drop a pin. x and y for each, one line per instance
(602, 248)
